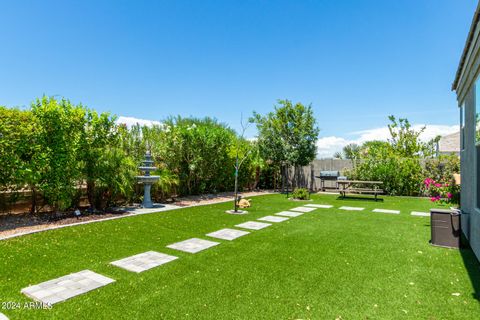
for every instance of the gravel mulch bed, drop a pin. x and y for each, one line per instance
(11, 224)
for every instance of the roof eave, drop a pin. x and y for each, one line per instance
(468, 42)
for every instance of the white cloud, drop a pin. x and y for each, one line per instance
(130, 121)
(327, 146)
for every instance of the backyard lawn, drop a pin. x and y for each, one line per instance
(324, 264)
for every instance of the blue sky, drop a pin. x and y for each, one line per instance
(356, 62)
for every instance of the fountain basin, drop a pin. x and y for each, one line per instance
(147, 169)
(147, 179)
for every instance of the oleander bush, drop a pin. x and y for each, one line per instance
(402, 163)
(63, 152)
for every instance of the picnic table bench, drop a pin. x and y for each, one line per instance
(360, 187)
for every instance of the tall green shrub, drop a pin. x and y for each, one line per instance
(197, 151)
(58, 138)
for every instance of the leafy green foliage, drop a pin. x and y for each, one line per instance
(196, 155)
(56, 147)
(398, 162)
(58, 138)
(288, 134)
(301, 194)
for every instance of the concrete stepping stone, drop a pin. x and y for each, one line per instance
(386, 211)
(420, 214)
(322, 206)
(273, 219)
(352, 208)
(193, 245)
(228, 234)
(143, 261)
(302, 209)
(3, 317)
(253, 225)
(289, 214)
(66, 287)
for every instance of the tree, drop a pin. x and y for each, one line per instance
(198, 152)
(58, 135)
(288, 135)
(107, 167)
(405, 140)
(396, 162)
(99, 133)
(17, 149)
(239, 159)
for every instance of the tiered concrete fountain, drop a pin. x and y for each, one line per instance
(147, 180)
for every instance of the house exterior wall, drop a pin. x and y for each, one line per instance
(465, 90)
(468, 168)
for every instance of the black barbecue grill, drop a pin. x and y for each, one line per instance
(329, 176)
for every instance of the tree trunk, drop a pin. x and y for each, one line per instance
(91, 193)
(257, 178)
(33, 208)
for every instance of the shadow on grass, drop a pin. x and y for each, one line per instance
(359, 198)
(473, 268)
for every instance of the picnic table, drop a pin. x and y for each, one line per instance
(360, 187)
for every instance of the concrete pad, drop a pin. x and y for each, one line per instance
(387, 211)
(289, 214)
(302, 209)
(143, 261)
(352, 208)
(66, 287)
(273, 219)
(253, 225)
(193, 245)
(3, 317)
(420, 214)
(227, 234)
(321, 206)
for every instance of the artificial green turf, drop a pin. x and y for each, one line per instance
(325, 264)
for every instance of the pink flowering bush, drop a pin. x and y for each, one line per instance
(441, 192)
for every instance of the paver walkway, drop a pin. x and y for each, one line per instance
(273, 219)
(289, 214)
(420, 214)
(193, 245)
(143, 261)
(253, 225)
(63, 288)
(387, 211)
(322, 206)
(302, 209)
(66, 287)
(228, 234)
(352, 208)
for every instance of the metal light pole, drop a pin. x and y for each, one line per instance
(236, 183)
